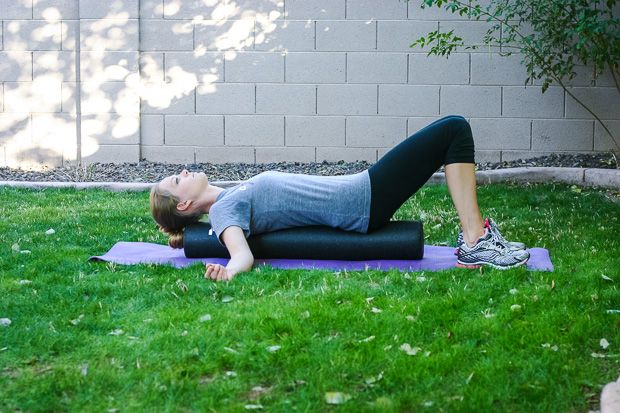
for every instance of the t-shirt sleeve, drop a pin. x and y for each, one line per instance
(224, 214)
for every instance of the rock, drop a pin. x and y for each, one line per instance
(610, 397)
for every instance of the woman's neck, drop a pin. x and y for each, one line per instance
(208, 198)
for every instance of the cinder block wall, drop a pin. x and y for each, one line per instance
(187, 81)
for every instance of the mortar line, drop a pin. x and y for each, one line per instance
(78, 89)
(315, 35)
(140, 77)
(501, 101)
(407, 77)
(376, 35)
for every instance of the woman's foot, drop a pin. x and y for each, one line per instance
(493, 226)
(491, 249)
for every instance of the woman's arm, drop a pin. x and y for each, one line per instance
(241, 258)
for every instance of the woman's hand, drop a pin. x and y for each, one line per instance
(218, 272)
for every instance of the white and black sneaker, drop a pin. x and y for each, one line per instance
(493, 226)
(490, 250)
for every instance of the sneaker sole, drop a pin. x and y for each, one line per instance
(477, 265)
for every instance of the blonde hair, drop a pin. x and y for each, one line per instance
(168, 217)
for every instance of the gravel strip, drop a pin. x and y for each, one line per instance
(145, 171)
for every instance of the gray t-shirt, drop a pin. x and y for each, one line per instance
(276, 200)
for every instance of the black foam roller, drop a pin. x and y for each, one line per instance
(398, 240)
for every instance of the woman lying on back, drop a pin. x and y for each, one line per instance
(359, 202)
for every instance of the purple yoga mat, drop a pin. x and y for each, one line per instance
(435, 258)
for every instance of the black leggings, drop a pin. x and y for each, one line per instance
(405, 168)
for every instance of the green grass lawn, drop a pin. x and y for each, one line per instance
(91, 336)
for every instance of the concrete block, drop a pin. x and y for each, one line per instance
(40, 95)
(151, 9)
(191, 9)
(68, 97)
(564, 134)
(285, 99)
(206, 68)
(472, 33)
(219, 155)
(152, 130)
(52, 10)
(415, 124)
(376, 67)
(398, 35)
(59, 66)
(604, 101)
(110, 129)
(260, 9)
(110, 34)
(224, 35)
(114, 9)
(529, 102)
(280, 35)
(584, 77)
(15, 66)
(416, 12)
(152, 66)
(483, 156)
(15, 127)
(15, 9)
(68, 33)
(168, 98)
(493, 69)
(315, 67)
(605, 78)
(223, 10)
(376, 10)
(194, 130)
(264, 130)
(254, 67)
(316, 131)
(31, 35)
(162, 35)
(408, 100)
(602, 140)
(607, 178)
(437, 70)
(501, 133)
(111, 154)
(471, 100)
(29, 156)
(336, 154)
(375, 131)
(226, 98)
(285, 154)
(315, 9)
(346, 99)
(105, 66)
(169, 154)
(109, 97)
(346, 35)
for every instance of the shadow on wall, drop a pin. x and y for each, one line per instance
(119, 78)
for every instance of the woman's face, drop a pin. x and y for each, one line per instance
(186, 185)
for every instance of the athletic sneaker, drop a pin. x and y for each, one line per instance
(493, 226)
(490, 250)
